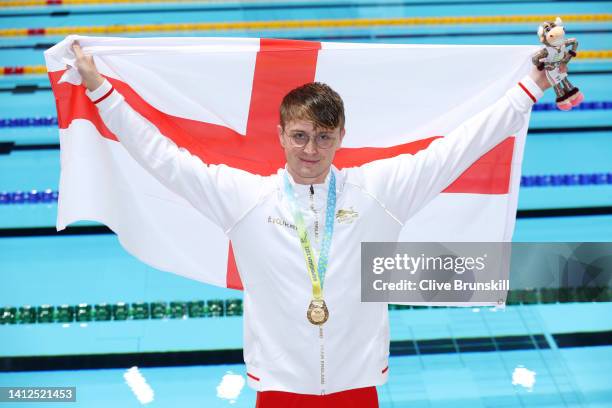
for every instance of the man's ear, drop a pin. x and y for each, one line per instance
(342, 132)
(279, 129)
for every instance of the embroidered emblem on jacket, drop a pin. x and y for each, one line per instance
(346, 216)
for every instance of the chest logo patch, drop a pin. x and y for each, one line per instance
(346, 216)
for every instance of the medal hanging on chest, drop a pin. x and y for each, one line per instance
(317, 312)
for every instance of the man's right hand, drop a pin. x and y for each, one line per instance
(87, 68)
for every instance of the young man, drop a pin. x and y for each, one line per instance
(308, 339)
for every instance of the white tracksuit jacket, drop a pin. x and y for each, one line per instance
(282, 350)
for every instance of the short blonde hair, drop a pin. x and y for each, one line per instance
(316, 102)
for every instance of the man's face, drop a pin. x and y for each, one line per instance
(309, 164)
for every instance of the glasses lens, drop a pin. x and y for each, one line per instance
(325, 141)
(299, 139)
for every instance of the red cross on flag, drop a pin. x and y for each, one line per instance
(219, 99)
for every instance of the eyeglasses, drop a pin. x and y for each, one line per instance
(322, 140)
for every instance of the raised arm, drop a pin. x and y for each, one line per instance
(221, 193)
(405, 183)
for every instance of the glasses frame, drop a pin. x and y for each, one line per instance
(310, 137)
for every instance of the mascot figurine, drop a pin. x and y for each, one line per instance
(557, 51)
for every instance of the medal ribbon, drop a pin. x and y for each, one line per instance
(316, 272)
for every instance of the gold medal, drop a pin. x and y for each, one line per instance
(317, 312)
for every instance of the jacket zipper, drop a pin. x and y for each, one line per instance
(322, 360)
(321, 345)
(316, 217)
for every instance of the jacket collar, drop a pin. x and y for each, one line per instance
(304, 189)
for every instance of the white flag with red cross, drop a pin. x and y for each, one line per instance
(219, 98)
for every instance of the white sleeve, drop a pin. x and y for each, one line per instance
(406, 183)
(221, 193)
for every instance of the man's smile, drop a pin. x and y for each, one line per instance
(309, 161)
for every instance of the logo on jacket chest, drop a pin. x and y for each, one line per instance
(346, 216)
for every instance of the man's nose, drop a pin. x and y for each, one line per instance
(311, 146)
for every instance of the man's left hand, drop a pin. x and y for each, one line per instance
(539, 77)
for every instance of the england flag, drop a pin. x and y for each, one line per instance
(219, 99)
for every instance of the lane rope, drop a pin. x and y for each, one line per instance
(302, 24)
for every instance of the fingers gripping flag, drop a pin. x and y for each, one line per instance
(219, 99)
